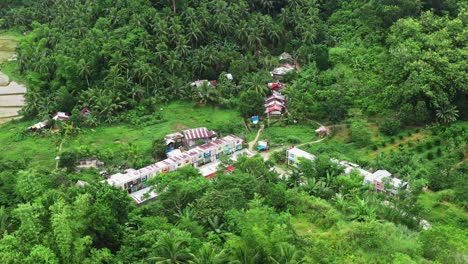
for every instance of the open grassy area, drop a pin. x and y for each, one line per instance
(438, 208)
(289, 135)
(8, 42)
(41, 149)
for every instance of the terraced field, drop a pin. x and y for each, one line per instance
(11, 93)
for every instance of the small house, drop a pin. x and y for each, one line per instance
(229, 76)
(197, 135)
(274, 102)
(275, 97)
(38, 126)
(60, 116)
(200, 83)
(276, 86)
(143, 195)
(294, 155)
(282, 70)
(81, 183)
(85, 112)
(255, 120)
(88, 163)
(322, 131)
(174, 141)
(262, 146)
(274, 110)
(286, 57)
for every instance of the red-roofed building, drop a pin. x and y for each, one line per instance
(197, 135)
(277, 86)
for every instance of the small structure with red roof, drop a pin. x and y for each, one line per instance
(276, 86)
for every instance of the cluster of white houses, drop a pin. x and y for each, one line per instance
(381, 179)
(134, 181)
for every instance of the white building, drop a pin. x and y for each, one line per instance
(294, 154)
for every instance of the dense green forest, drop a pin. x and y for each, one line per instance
(389, 75)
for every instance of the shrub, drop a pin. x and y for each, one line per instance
(439, 152)
(68, 160)
(429, 145)
(430, 156)
(437, 141)
(375, 146)
(279, 156)
(447, 195)
(410, 144)
(390, 126)
(360, 133)
(400, 137)
(293, 139)
(392, 140)
(419, 148)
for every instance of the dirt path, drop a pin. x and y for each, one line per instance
(253, 142)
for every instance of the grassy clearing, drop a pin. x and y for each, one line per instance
(439, 209)
(8, 43)
(289, 135)
(303, 226)
(42, 149)
(12, 70)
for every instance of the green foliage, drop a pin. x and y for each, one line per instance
(68, 160)
(390, 127)
(250, 103)
(360, 133)
(445, 244)
(128, 60)
(159, 149)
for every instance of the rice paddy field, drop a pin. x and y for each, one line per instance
(11, 93)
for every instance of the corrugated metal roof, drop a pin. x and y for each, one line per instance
(196, 133)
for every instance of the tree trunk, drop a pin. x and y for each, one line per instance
(174, 6)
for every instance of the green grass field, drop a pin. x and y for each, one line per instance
(8, 43)
(41, 149)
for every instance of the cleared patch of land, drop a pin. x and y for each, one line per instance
(11, 93)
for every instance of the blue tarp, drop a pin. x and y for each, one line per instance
(255, 119)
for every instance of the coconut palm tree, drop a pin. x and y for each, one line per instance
(207, 254)
(171, 250)
(255, 82)
(84, 70)
(206, 93)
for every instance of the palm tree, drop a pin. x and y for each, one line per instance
(206, 93)
(84, 69)
(447, 114)
(287, 254)
(171, 250)
(208, 255)
(255, 82)
(173, 63)
(245, 254)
